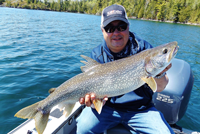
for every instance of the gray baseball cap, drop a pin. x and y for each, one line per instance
(112, 13)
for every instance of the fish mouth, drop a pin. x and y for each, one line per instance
(173, 53)
(175, 50)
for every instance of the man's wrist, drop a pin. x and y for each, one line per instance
(160, 76)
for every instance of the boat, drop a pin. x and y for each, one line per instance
(172, 102)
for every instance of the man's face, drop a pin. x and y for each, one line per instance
(116, 40)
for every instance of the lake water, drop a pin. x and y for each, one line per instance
(41, 49)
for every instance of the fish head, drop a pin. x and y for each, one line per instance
(160, 57)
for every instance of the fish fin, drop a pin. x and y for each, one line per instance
(66, 107)
(98, 104)
(28, 112)
(89, 63)
(41, 121)
(33, 112)
(84, 62)
(151, 82)
(51, 90)
(62, 105)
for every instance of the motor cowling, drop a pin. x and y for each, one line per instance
(173, 100)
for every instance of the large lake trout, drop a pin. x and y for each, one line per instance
(109, 79)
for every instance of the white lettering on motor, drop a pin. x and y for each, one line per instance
(164, 98)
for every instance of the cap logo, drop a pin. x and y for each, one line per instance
(114, 12)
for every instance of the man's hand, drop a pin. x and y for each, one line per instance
(162, 82)
(89, 98)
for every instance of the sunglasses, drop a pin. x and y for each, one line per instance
(120, 28)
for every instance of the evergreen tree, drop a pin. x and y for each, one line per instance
(161, 8)
(1, 1)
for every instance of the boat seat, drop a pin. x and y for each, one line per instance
(119, 129)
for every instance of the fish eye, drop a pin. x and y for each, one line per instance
(165, 51)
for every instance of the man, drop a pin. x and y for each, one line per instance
(134, 110)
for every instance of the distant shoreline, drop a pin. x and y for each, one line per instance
(194, 24)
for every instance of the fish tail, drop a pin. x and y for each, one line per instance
(32, 111)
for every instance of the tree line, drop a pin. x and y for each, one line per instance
(184, 11)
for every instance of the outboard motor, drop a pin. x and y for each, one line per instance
(173, 101)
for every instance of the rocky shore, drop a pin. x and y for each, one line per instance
(187, 23)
